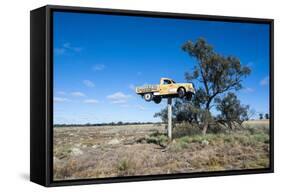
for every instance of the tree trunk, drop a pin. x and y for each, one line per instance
(205, 127)
(230, 125)
(207, 116)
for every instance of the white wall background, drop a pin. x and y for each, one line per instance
(14, 95)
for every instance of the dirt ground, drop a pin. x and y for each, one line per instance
(126, 150)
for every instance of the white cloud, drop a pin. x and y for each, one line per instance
(78, 94)
(66, 47)
(118, 97)
(248, 90)
(88, 83)
(60, 99)
(70, 47)
(98, 67)
(121, 101)
(264, 81)
(91, 101)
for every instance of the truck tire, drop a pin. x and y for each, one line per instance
(148, 96)
(181, 92)
(157, 100)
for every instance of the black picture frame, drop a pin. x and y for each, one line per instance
(41, 99)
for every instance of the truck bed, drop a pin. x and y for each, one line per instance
(147, 89)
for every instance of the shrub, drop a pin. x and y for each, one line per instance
(216, 128)
(158, 139)
(186, 129)
(123, 165)
(261, 137)
(126, 166)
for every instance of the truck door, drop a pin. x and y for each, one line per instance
(165, 85)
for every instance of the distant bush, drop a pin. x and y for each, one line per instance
(155, 138)
(216, 127)
(184, 129)
(232, 112)
(104, 124)
(158, 139)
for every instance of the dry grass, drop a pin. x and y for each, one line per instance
(95, 152)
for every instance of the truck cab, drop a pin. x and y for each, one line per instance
(166, 88)
(165, 85)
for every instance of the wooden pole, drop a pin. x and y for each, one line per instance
(170, 117)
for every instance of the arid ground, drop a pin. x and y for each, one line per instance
(127, 150)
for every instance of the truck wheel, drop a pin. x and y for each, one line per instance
(189, 96)
(148, 96)
(181, 92)
(157, 100)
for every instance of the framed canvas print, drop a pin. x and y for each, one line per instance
(122, 95)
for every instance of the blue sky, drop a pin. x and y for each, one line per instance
(99, 59)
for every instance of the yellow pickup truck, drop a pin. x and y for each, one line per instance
(166, 88)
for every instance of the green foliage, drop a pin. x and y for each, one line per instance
(215, 127)
(241, 139)
(163, 114)
(185, 111)
(216, 75)
(262, 137)
(216, 72)
(158, 139)
(231, 110)
(184, 129)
